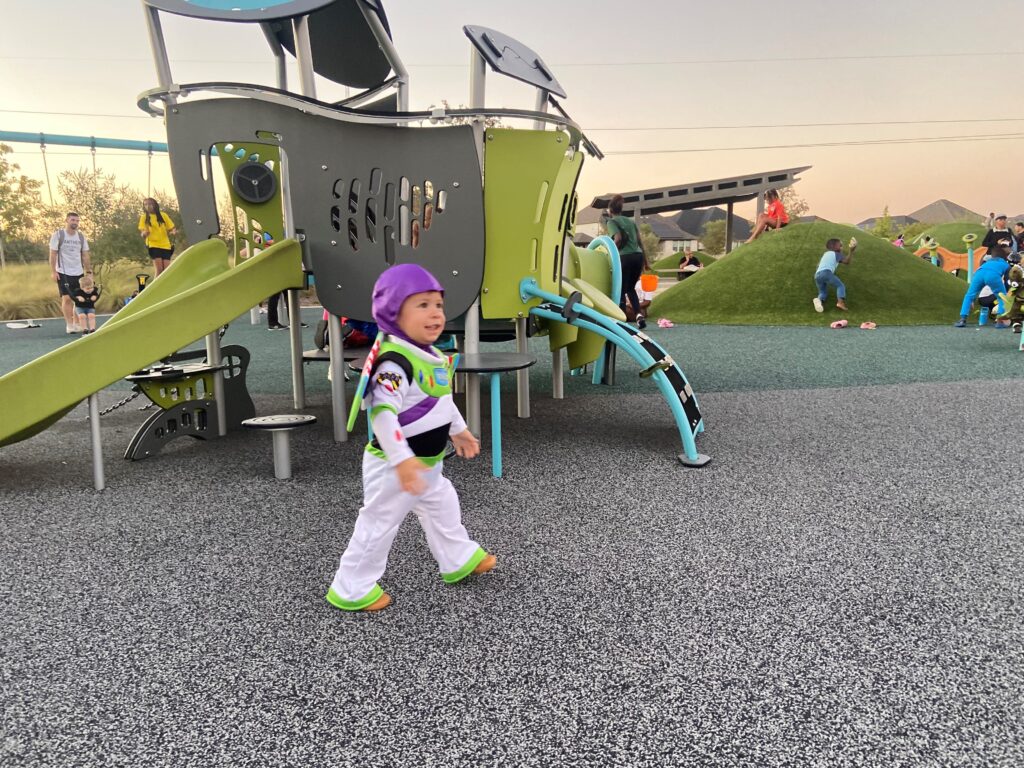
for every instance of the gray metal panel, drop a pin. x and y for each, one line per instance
(351, 233)
(345, 49)
(507, 56)
(681, 197)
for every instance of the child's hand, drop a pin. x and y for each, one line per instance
(410, 476)
(466, 445)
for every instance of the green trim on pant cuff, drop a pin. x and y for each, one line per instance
(464, 571)
(354, 605)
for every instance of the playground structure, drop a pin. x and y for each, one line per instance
(950, 261)
(341, 191)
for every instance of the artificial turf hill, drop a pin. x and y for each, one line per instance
(771, 282)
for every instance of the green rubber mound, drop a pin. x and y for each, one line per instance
(771, 282)
(951, 235)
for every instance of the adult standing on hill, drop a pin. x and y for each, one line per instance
(999, 231)
(157, 229)
(774, 217)
(70, 258)
(624, 232)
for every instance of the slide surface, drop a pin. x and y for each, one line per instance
(654, 360)
(197, 294)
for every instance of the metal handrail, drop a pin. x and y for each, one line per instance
(312, 106)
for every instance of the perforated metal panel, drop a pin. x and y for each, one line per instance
(364, 197)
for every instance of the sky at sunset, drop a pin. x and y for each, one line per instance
(701, 90)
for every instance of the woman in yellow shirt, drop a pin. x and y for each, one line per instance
(157, 228)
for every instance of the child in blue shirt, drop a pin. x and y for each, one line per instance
(825, 275)
(990, 273)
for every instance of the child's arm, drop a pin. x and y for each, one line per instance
(388, 389)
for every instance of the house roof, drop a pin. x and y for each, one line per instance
(581, 238)
(666, 228)
(943, 211)
(589, 215)
(812, 219)
(901, 221)
(695, 221)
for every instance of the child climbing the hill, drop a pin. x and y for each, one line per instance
(825, 275)
(991, 274)
(85, 298)
(410, 406)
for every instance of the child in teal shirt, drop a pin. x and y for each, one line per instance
(825, 275)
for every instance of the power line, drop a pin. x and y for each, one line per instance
(653, 62)
(807, 125)
(72, 114)
(738, 126)
(858, 143)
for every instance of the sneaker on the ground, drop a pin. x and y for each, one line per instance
(818, 306)
(841, 305)
(277, 327)
(1002, 324)
(961, 323)
(640, 322)
(1016, 327)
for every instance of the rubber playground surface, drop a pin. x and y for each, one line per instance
(841, 585)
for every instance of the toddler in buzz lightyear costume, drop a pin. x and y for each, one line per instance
(409, 399)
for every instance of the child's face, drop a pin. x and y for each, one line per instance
(422, 317)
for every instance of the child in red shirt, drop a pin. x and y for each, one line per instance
(774, 217)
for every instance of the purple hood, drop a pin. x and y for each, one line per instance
(393, 287)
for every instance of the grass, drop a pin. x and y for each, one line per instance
(771, 282)
(951, 235)
(27, 291)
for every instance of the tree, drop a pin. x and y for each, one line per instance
(19, 203)
(884, 227)
(714, 237)
(110, 213)
(794, 204)
(650, 242)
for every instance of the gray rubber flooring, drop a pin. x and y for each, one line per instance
(841, 586)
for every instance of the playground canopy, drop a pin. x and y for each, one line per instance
(703, 194)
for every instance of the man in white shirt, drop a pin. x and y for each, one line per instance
(69, 260)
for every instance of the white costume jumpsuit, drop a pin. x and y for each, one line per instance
(409, 418)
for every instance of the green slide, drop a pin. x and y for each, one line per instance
(197, 294)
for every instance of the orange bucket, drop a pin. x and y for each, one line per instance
(649, 282)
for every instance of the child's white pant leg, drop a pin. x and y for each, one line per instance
(384, 508)
(441, 517)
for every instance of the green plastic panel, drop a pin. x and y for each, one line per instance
(529, 183)
(197, 294)
(588, 271)
(257, 225)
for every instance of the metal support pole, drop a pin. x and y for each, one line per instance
(281, 63)
(557, 375)
(282, 454)
(477, 80)
(728, 228)
(98, 481)
(295, 332)
(390, 53)
(541, 105)
(213, 357)
(339, 412)
(159, 48)
(304, 56)
(523, 376)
